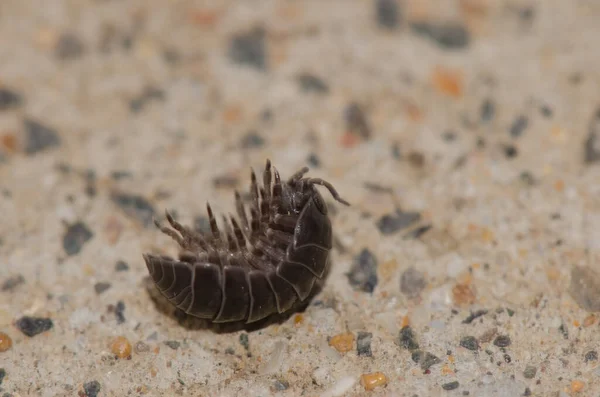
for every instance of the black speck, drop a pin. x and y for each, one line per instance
(407, 339)
(39, 137)
(412, 282)
(363, 344)
(510, 151)
(171, 55)
(450, 36)
(396, 152)
(449, 136)
(244, 341)
(2, 375)
(592, 355)
(424, 359)
(9, 99)
(356, 121)
(118, 175)
(311, 83)
(388, 13)
(32, 326)
(363, 274)
(281, 384)
(13, 282)
(101, 287)
(451, 385)
(507, 358)
(149, 94)
(75, 238)
(389, 224)
(526, 14)
(230, 350)
(518, 126)
(173, 344)
(121, 266)
(418, 232)
(474, 315)
(249, 49)
(502, 341)
(465, 393)
(120, 312)
(488, 110)
(69, 46)
(469, 342)
(529, 372)
(91, 389)
(592, 143)
(546, 111)
(135, 206)
(527, 392)
(527, 178)
(564, 331)
(313, 160)
(252, 140)
(510, 312)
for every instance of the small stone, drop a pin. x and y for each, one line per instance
(75, 238)
(416, 159)
(469, 342)
(510, 151)
(100, 287)
(32, 326)
(356, 121)
(141, 347)
(39, 137)
(592, 142)
(120, 312)
(502, 341)
(412, 282)
(244, 341)
(546, 111)
(373, 380)
(407, 339)
(488, 335)
(585, 288)
(527, 392)
(135, 206)
(91, 389)
(463, 294)
(451, 385)
(529, 372)
(313, 160)
(311, 83)
(488, 110)
(121, 347)
(474, 315)
(388, 13)
(389, 224)
(342, 342)
(249, 49)
(363, 273)
(9, 99)
(425, 359)
(363, 344)
(281, 384)
(252, 140)
(2, 376)
(5, 342)
(450, 36)
(68, 47)
(138, 103)
(12, 282)
(577, 386)
(518, 126)
(121, 266)
(592, 355)
(173, 344)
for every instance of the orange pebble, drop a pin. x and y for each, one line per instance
(5, 342)
(342, 342)
(589, 320)
(373, 380)
(463, 294)
(121, 347)
(577, 386)
(298, 319)
(449, 82)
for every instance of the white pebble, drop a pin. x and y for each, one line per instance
(340, 388)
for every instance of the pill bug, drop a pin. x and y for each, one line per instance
(255, 267)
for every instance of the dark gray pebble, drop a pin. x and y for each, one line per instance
(120, 312)
(392, 223)
(469, 342)
(388, 13)
(313, 160)
(75, 238)
(474, 315)
(356, 120)
(249, 49)
(592, 142)
(451, 35)
(39, 137)
(407, 339)
(252, 140)
(281, 384)
(518, 126)
(135, 206)
(592, 355)
(363, 344)
(12, 282)
(148, 94)
(9, 99)
(101, 286)
(417, 232)
(529, 372)
(502, 341)
(312, 83)
(121, 266)
(91, 389)
(173, 344)
(425, 359)
(412, 282)
(510, 151)
(244, 341)
(69, 46)
(2, 375)
(451, 385)
(363, 273)
(32, 326)
(488, 110)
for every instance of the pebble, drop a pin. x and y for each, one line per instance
(577, 386)
(121, 347)
(469, 342)
(148, 94)
(356, 121)
(39, 137)
(363, 273)
(592, 142)
(388, 13)
(340, 388)
(502, 341)
(450, 35)
(412, 282)
(312, 83)
(407, 339)
(252, 140)
(342, 342)
(463, 294)
(173, 344)
(510, 151)
(69, 46)
(392, 223)
(488, 110)
(9, 99)
(451, 385)
(314, 160)
(120, 312)
(91, 389)
(249, 49)
(12, 282)
(121, 266)
(244, 341)
(529, 372)
(592, 355)
(2, 375)
(474, 315)
(373, 380)
(32, 326)
(363, 344)
(141, 347)
(425, 359)
(101, 286)
(585, 288)
(136, 207)
(281, 384)
(5, 342)
(518, 126)
(75, 238)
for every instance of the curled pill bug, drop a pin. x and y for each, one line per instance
(252, 267)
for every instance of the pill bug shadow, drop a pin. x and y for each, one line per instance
(253, 271)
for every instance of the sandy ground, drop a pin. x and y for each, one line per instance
(465, 134)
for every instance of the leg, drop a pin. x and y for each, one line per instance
(297, 176)
(334, 193)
